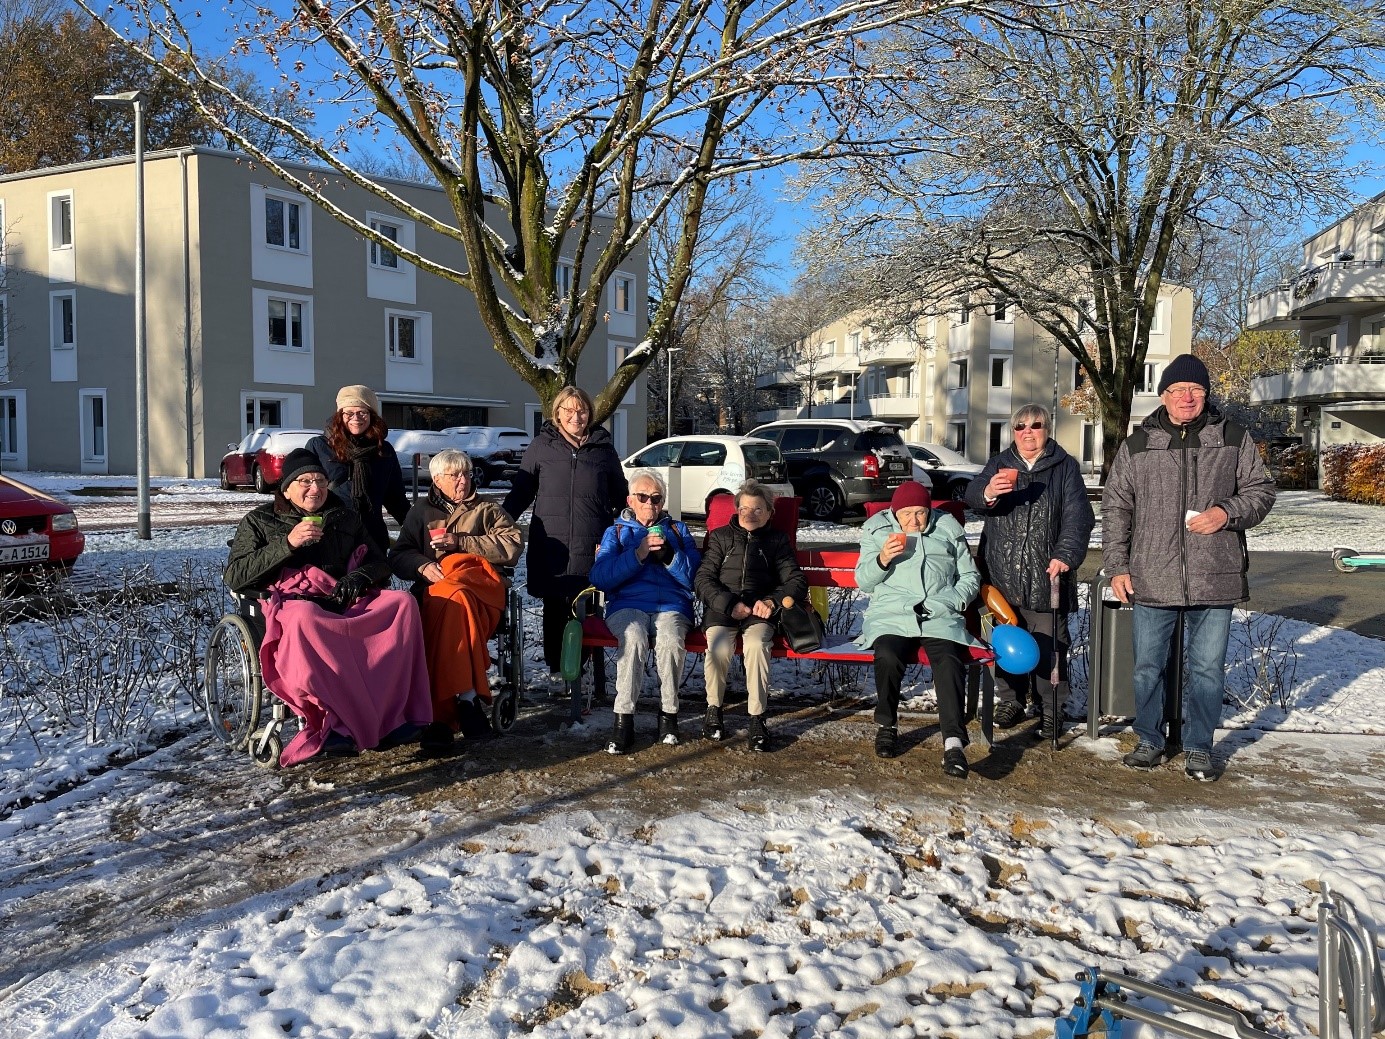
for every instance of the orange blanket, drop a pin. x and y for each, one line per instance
(459, 614)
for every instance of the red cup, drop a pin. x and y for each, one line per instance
(897, 538)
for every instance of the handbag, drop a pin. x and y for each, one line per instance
(800, 626)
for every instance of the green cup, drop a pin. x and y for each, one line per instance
(314, 519)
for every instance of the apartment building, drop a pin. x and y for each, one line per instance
(1336, 304)
(259, 306)
(960, 377)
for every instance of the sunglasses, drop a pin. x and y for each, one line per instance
(1020, 427)
(647, 499)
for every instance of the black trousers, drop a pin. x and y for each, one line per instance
(557, 608)
(893, 655)
(1036, 686)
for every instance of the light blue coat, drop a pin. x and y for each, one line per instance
(936, 569)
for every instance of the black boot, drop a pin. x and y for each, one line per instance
(668, 728)
(472, 717)
(712, 728)
(759, 735)
(622, 734)
(885, 741)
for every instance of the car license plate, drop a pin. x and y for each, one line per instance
(895, 465)
(22, 552)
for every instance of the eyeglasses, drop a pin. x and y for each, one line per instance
(1020, 427)
(364, 416)
(1196, 392)
(456, 475)
(312, 481)
(575, 411)
(647, 499)
(752, 510)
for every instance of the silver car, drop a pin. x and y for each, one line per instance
(709, 465)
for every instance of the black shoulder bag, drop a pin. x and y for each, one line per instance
(801, 626)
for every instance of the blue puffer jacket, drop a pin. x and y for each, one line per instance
(652, 585)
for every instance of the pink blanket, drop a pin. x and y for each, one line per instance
(362, 673)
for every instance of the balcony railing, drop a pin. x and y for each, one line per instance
(1325, 379)
(1329, 289)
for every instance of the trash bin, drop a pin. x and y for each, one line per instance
(1111, 663)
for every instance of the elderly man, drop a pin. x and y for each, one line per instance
(645, 565)
(1183, 489)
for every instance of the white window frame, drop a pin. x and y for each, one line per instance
(1159, 320)
(623, 294)
(995, 435)
(57, 203)
(55, 322)
(392, 319)
(290, 304)
(964, 314)
(304, 224)
(9, 448)
(1149, 382)
(86, 427)
(1001, 312)
(378, 255)
(961, 370)
(562, 280)
(957, 434)
(1006, 367)
(853, 344)
(251, 417)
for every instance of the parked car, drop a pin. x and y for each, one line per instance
(839, 464)
(258, 460)
(424, 442)
(949, 471)
(38, 533)
(495, 451)
(710, 465)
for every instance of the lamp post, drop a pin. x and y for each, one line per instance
(134, 99)
(668, 425)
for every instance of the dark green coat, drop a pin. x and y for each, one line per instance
(261, 547)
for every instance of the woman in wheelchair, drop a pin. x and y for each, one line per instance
(451, 547)
(346, 657)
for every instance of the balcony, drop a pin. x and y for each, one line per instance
(1335, 379)
(775, 415)
(778, 377)
(958, 401)
(1330, 291)
(889, 351)
(891, 407)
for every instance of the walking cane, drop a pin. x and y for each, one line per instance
(1053, 675)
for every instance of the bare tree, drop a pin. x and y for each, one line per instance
(1065, 154)
(555, 130)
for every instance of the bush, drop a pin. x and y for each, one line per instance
(1293, 468)
(1354, 472)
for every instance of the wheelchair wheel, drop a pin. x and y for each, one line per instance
(266, 753)
(505, 709)
(233, 682)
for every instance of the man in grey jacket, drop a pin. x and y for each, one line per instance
(1183, 489)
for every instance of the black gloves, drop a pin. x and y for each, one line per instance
(352, 587)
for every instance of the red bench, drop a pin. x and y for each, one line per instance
(824, 568)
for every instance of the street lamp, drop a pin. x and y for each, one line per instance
(668, 425)
(135, 99)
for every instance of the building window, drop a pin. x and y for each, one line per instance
(1149, 378)
(61, 233)
(563, 280)
(1159, 320)
(1000, 373)
(64, 320)
(262, 413)
(9, 427)
(853, 344)
(996, 433)
(402, 339)
(1088, 442)
(957, 375)
(380, 255)
(283, 223)
(286, 323)
(1002, 309)
(964, 316)
(93, 404)
(625, 294)
(957, 434)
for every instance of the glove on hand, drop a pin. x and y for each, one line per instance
(352, 587)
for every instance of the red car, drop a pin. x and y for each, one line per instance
(258, 460)
(36, 532)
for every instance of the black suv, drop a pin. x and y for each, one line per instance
(839, 464)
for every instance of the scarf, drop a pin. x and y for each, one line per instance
(362, 448)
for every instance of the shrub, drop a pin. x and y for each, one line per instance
(1354, 472)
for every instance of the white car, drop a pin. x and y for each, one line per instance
(424, 443)
(949, 471)
(709, 465)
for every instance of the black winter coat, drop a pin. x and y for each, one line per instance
(261, 547)
(745, 566)
(386, 481)
(1047, 516)
(577, 492)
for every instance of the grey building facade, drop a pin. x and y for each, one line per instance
(259, 306)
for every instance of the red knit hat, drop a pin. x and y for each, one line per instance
(909, 495)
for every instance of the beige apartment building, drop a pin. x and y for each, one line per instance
(1336, 304)
(259, 306)
(960, 378)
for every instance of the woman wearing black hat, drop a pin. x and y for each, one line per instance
(312, 554)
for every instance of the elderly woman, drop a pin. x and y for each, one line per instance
(645, 565)
(346, 658)
(449, 548)
(361, 463)
(747, 571)
(918, 571)
(1038, 520)
(572, 476)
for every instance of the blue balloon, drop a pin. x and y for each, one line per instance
(1015, 649)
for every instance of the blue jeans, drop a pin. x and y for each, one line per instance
(1205, 632)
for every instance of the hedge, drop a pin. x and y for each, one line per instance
(1354, 472)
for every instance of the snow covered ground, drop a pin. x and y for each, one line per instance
(805, 913)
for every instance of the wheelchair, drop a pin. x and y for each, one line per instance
(245, 716)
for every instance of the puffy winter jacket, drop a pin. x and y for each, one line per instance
(576, 493)
(1151, 488)
(936, 573)
(1047, 516)
(743, 566)
(261, 547)
(655, 585)
(386, 486)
